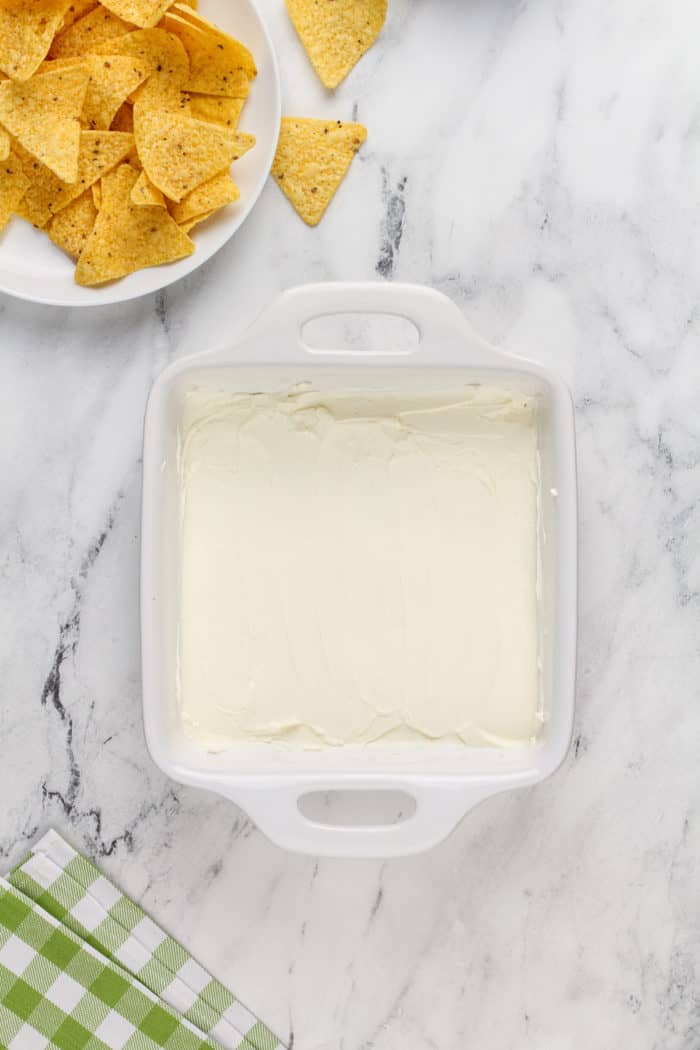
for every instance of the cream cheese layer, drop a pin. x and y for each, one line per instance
(359, 570)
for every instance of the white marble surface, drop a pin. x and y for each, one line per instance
(540, 162)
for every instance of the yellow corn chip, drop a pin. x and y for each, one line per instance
(4, 144)
(112, 78)
(216, 60)
(207, 198)
(96, 191)
(92, 29)
(42, 113)
(125, 237)
(312, 159)
(217, 109)
(13, 186)
(191, 3)
(124, 119)
(178, 152)
(187, 226)
(72, 226)
(76, 10)
(100, 151)
(164, 57)
(143, 13)
(26, 32)
(336, 33)
(145, 193)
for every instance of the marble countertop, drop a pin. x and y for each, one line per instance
(539, 162)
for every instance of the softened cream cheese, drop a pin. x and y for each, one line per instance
(358, 570)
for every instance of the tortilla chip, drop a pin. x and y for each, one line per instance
(71, 228)
(13, 186)
(88, 32)
(26, 32)
(100, 151)
(96, 191)
(164, 57)
(336, 35)
(178, 152)
(124, 119)
(112, 78)
(43, 115)
(216, 59)
(143, 13)
(312, 159)
(76, 10)
(211, 195)
(145, 193)
(191, 223)
(4, 144)
(125, 237)
(217, 109)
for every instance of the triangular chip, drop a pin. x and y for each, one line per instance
(145, 193)
(23, 112)
(191, 223)
(26, 31)
(125, 237)
(164, 57)
(92, 29)
(71, 228)
(336, 34)
(100, 151)
(76, 9)
(207, 198)
(217, 109)
(96, 191)
(143, 13)
(178, 153)
(217, 61)
(312, 159)
(4, 144)
(112, 78)
(13, 186)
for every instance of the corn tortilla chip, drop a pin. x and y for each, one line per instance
(76, 10)
(23, 112)
(191, 223)
(26, 32)
(217, 109)
(312, 159)
(100, 151)
(125, 237)
(112, 78)
(88, 32)
(164, 57)
(143, 13)
(216, 59)
(178, 152)
(4, 144)
(336, 33)
(72, 226)
(211, 195)
(145, 193)
(96, 191)
(13, 186)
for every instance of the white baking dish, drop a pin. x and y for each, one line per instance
(268, 781)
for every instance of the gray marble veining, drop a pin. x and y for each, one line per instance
(539, 162)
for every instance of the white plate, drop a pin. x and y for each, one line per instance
(33, 268)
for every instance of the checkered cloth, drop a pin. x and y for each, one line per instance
(82, 967)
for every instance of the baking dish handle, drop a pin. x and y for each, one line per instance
(444, 336)
(439, 809)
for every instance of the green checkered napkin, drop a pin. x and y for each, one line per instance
(82, 967)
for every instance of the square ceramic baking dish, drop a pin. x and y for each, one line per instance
(268, 781)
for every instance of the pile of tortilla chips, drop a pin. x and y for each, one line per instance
(118, 126)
